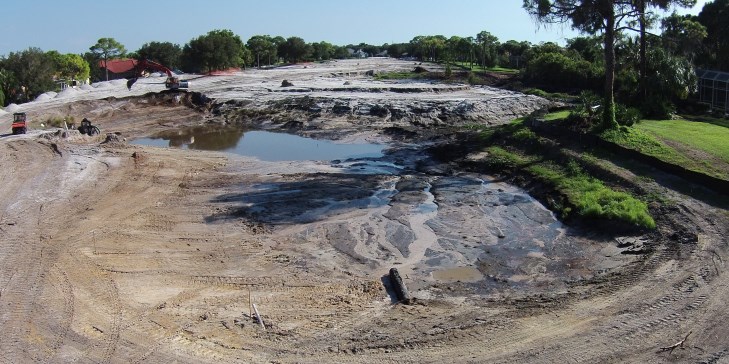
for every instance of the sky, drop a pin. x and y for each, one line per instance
(72, 26)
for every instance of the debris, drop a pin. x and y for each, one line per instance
(400, 290)
(258, 316)
(286, 83)
(676, 345)
(111, 138)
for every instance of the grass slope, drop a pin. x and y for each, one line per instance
(520, 149)
(698, 146)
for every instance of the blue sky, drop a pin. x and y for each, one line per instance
(72, 26)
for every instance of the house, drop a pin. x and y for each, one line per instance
(118, 68)
(714, 89)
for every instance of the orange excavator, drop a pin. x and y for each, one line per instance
(172, 83)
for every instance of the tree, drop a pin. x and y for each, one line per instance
(322, 51)
(7, 83)
(69, 66)
(218, 49)
(589, 48)
(108, 48)
(340, 52)
(397, 50)
(715, 17)
(294, 49)
(683, 35)
(165, 53)
(514, 51)
(642, 7)
(590, 16)
(487, 46)
(32, 74)
(261, 45)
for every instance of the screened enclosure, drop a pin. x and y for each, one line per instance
(714, 89)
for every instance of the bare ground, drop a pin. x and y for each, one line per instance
(127, 254)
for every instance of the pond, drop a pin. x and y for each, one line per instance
(264, 145)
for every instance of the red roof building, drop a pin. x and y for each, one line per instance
(119, 68)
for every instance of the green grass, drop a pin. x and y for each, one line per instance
(557, 115)
(710, 138)
(548, 95)
(398, 76)
(589, 196)
(648, 138)
(478, 68)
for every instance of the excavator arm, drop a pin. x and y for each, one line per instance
(172, 82)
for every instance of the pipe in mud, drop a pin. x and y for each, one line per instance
(398, 285)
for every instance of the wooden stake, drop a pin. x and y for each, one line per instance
(250, 310)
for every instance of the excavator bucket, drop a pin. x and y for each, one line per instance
(131, 82)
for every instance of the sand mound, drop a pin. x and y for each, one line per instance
(69, 92)
(119, 82)
(52, 93)
(12, 108)
(86, 87)
(102, 84)
(3, 112)
(43, 97)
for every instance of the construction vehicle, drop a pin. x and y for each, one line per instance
(172, 83)
(20, 124)
(87, 128)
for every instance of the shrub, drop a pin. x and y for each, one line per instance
(472, 79)
(58, 122)
(627, 116)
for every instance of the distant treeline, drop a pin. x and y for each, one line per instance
(686, 42)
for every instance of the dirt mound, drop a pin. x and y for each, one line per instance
(102, 84)
(12, 108)
(69, 92)
(43, 97)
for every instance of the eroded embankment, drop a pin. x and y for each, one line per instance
(343, 107)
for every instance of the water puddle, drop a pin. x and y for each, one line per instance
(264, 145)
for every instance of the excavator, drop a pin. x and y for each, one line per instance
(172, 83)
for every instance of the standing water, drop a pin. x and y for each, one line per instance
(264, 145)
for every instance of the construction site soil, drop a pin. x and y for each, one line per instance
(116, 252)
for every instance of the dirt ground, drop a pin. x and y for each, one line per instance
(121, 253)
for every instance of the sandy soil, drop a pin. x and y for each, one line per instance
(119, 253)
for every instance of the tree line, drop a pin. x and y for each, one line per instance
(618, 57)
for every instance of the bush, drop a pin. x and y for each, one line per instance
(588, 111)
(536, 92)
(472, 79)
(558, 71)
(627, 116)
(58, 122)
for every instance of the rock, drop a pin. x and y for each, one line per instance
(111, 138)
(286, 83)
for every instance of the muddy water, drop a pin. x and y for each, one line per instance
(377, 212)
(264, 145)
